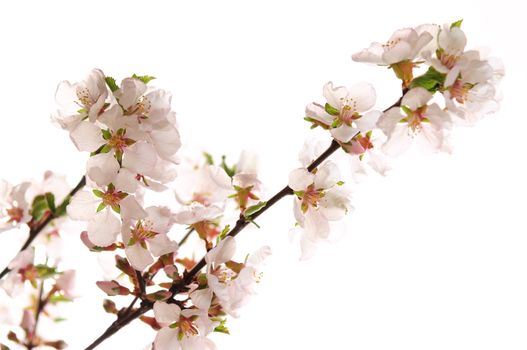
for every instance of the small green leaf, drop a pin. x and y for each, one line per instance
(340, 183)
(59, 319)
(105, 149)
(111, 83)
(39, 207)
(50, 199)
(456, 24)
(331, 110)
(144, 78)
(57, 298)
(208, 157)
(98, 193)
(222, 328)
(432, 80)
(231, 171)
(254, 209)
(45, 271)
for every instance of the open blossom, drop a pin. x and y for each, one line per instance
(148, 236)
(405, 44)
(21, 270)
(470, 88)
(344, 113)
(14, 208)
(451, 42)
(423, 123)
(101, 208)
(231, 285)
(320, 198)
(80, 100)
(182, 329)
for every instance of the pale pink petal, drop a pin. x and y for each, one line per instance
(140, 157)
(416, 97)
(368, 121)
(344, 133)
(223, 252)
(300, 179)
(399, 52)
(160, 244)
(103, 228)
(139, 257)
(335, 95)
(102, 168)
(317, 112)
(327, 175)
(201, 298)
(87, 137)
(389, 120)
(167, 339)
(83, 206)
(373, 54)
(130, 209)
(166, 314)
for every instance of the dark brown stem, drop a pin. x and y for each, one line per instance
(34, 231)
(240, 225)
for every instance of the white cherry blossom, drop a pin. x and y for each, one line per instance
(347, 111)
(404, 45)
(423, 123)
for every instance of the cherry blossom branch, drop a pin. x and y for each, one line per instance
(241, 223)
(35, 231)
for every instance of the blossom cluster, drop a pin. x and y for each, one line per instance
(134, 151)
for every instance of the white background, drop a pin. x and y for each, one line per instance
(434, 255)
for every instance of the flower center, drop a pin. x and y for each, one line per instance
(448, 60)
(84, 98)
(348, 113)
(15, 215)
(459, 91)
(142, 231)
(311, 197)
(187, 326)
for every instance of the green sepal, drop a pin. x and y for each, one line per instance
(98, 193)
(330, 109)
(106, 134)
(39, 207)
(101, 207)
(407, 110)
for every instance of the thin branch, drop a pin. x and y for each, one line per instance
(34, 232)
(240, 225)
(187, 235)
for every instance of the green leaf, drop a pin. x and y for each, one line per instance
(456, 24)
(331, 110)
(50, 199)
(39, 207)
(59, 319)
(98, 193)
(340, 183)
(407, 110)
(432, 80)
(144, 78)
(111, 84)
(254, 209)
